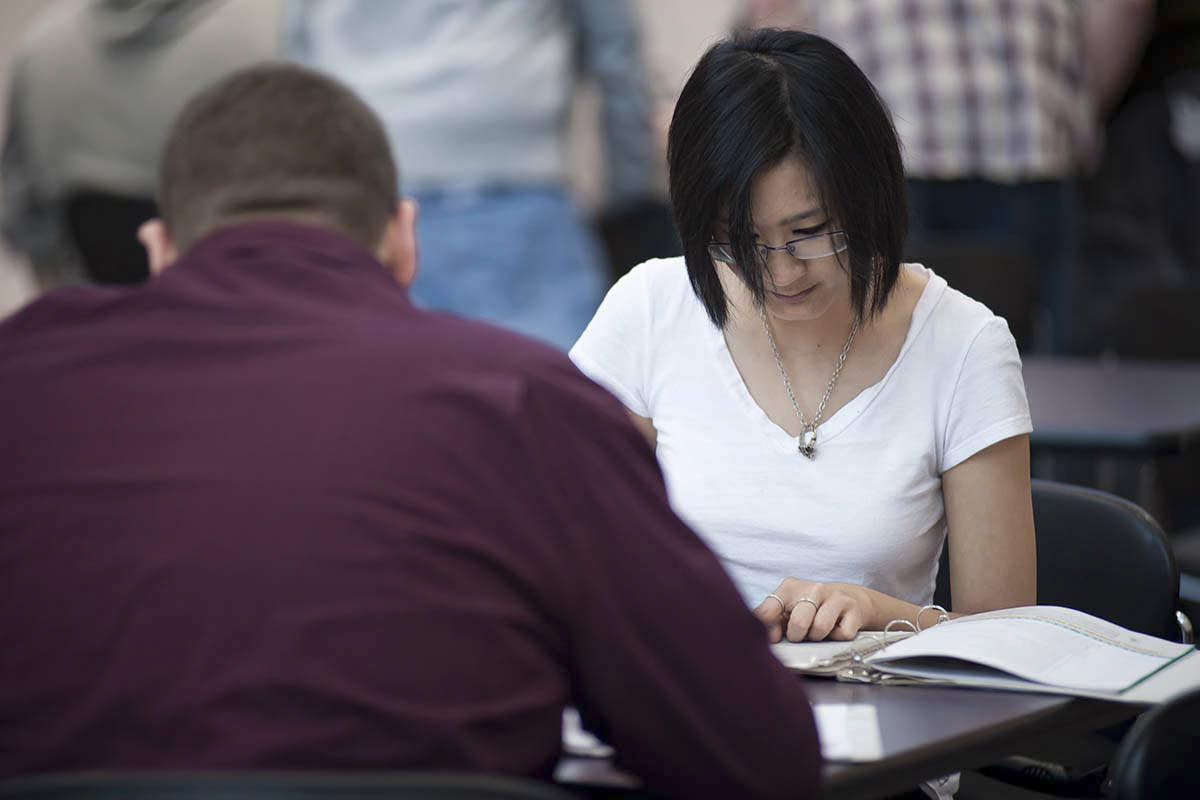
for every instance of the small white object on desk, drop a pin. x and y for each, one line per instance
(848, 731)
(577, 741)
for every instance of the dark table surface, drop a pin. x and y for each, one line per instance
(926, 732)
(1100, 406)
(929, 731)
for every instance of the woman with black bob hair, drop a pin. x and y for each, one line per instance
(825, 415)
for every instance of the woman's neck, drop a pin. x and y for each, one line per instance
(811, 336)
(796, 337)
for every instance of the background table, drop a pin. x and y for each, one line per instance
(1127, 427)
(1112, 407)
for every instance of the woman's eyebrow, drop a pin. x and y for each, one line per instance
(812, 212)
(794, 218)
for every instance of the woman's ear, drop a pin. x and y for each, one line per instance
(160, 249)
(398, 250)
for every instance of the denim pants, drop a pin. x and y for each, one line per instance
(519, 258)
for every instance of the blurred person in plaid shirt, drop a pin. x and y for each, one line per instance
(998, 106)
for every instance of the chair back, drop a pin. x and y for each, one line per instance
(277, 786)
(1157, 757)
(1100, 554)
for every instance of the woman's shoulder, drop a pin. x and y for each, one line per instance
(666, 276)
(660, 285)
(951, 311)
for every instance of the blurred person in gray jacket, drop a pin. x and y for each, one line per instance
(95, 84)
(477, 94)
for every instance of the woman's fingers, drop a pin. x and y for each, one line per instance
(772, 613)
(803, 610)
(833, 616)
(827, 617)
(800, 621)
(849, 625)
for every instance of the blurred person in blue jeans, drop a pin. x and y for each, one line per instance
(477, 94)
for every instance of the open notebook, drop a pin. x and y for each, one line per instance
(1033, 648)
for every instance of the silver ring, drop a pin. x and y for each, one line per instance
(807, 600)
(778, 599)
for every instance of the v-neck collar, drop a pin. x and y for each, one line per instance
(833, 425)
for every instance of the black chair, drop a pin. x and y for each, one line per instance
(1157, 758)
(1103, 555)
(1100, 554)
(277, 786)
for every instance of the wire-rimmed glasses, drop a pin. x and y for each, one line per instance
(818, 245)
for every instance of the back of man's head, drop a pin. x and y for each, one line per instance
(277, 141)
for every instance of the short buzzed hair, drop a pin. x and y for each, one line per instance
(277, 141)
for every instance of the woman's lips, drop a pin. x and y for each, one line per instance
(797, 297)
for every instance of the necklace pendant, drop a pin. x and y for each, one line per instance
(808, 443)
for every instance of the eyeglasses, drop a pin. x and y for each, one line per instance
(819, 245)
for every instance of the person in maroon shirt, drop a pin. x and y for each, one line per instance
(263, 513)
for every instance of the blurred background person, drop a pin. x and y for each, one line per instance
(94, 85)
(477, 94)
(998, 105)
(1140, 267)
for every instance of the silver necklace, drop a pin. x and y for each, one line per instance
(808, 435)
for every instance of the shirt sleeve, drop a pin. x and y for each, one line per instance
(610, 53)
(667, 663)
(30, 220)
(614, 349)
(988, 403)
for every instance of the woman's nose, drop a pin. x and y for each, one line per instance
(783, 268)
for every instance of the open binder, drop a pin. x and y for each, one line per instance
(1032, 648)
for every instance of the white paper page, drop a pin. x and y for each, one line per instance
(848, 731)
(1170, 682)
(1055, 646)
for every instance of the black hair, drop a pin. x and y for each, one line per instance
(277, 141)
(754, 100)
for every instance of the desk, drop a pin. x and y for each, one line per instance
(926, 732)
(1118, 407)
(932, 731)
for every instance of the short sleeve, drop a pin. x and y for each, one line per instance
(614, 348)
(988, 403)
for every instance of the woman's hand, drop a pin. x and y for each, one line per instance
(800, 609)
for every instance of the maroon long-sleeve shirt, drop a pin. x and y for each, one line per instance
(263, 512)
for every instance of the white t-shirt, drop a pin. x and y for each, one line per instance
(868, 509)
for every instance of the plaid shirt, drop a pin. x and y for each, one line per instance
(977, 88)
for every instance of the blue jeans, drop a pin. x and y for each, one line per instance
(519, 258)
